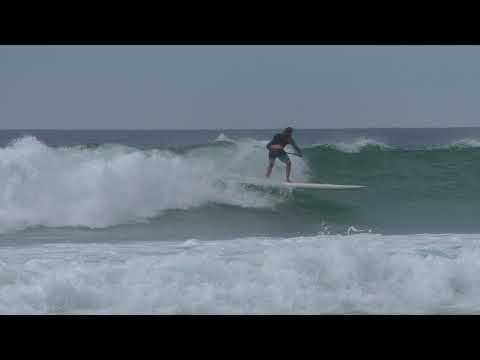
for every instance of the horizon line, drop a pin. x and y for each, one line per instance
(235, 129)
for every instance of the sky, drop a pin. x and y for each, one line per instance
(238, 87)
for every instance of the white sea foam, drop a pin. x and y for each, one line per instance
(358, 144)
(467, 143)
(101, 187)
(223, 138)
(324, 274)
(361, 143)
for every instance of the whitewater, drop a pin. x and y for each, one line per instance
(112, 185)
(324, 274)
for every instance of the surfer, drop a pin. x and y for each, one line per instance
(276, 150)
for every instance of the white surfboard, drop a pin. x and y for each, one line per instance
(300, 185)
(297, 185)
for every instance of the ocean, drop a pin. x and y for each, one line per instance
(159, 222)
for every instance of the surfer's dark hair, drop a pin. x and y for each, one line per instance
(288, 130)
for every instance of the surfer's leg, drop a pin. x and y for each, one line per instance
(289, 167)
(286, 160)
(271, 162)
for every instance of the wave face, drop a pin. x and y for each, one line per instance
(194, 190)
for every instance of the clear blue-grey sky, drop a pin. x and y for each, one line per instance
(237, 87)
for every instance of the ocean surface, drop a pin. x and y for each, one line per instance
(160, 222)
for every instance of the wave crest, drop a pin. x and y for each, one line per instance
(354, 146)
(105, 186)
(465, 143)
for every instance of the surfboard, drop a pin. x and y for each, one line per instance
(297, 185)
(301, 185)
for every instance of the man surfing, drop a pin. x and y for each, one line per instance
(276, 150)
